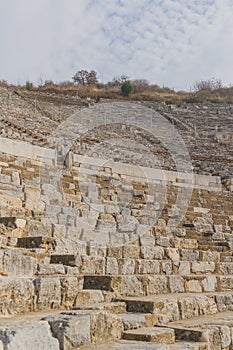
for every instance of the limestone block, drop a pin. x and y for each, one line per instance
(150, 252)
(193, 286)
(111, 266)
(20, 223)
(189, 254)
(51, 192)
(147, 266)
(156, 284)
(188, 307)
(179, 232)
(105, 326)
(184, 268)
(224, 302)
(88, 297)
(147, 240)
(226, 268)
(15, 178)
(93, 265)
(176, 284)
(5, 179)
(202, 267)
(226, 283)
(11, 202)
(115, 252)
(16, 295)
(16, 264)
(207, 305)
(209, 284)
(70, 287)
(167, 310)
(131, 286)
(131, 251)
(127, 266)
(214, 338)
(225, 334)
(173, 254)
(167, 267)
(50, 269)
(95, 250)
(185, 243)
(163, 241)
(48, 292)
(210, 256)
(72, 331)
(27, 337)
(32, 199)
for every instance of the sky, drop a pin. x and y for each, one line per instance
(170, 43)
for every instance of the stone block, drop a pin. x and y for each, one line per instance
(112, 266)
(226, 283)
(189, 254)
(20, 223)
(202, 267)
(50, 269)
(184, 268)
(225, 334)
(163, 241)
(48, 293)
(72, 331)
(150, 252)
(224, 302)
(131, 251)
(16, 264)
(16, 295)
(188, 307)
(173, 254)
(127, 266)
(193, 286)
(37, 336)
(167, 310)
(131, 286)
(206, 305)
(210, 256)
(176, 284)
(93, 265)
(147, 266)
(105, 326)
(155, 284)
(167, 267)
(209, 284)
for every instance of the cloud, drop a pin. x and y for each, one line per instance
(169, 42)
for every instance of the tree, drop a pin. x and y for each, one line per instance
(209, 84)
(140, 85)
(83, 77)
(127, 88)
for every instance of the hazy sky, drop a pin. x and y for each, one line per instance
(168, 42)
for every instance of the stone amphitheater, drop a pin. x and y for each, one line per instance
(116, 224)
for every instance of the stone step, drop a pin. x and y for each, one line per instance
(89, 297)
(206, 247)
(132, 320)
(116, 307)
(213, 329)
(160, 335)
(135, 345)
(136, 285)
(28, 294)
(173, 307)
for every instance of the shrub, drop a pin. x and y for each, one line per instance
(127, 88)
(29, 86)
